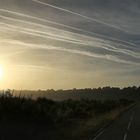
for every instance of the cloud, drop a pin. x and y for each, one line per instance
(70, 37)
(99, 35)
(78, 14)
(74, 51)
(74, 38)
(92, 41)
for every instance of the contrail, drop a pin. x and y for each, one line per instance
(110, 48)
(33, 23)
(85, 53)
(46, 35)
(43, 20)
(78, 14)
(69, 27)
(34, 33)
(11, 54)
(37, 67)
(44, 26)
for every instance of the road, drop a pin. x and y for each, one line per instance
(126, 127)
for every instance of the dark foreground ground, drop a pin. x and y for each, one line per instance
(126, 127)
(42, 119)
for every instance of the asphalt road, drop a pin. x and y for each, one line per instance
(127, 127)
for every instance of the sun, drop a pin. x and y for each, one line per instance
(1, 72)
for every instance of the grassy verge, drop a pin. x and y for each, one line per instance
(85, 129)
(65, 120)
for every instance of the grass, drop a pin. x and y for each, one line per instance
(53, 120)
(85, 129)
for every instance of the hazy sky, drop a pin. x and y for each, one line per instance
(69, 43)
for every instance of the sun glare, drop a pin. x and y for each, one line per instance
(1, 72)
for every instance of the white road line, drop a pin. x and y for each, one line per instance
(132, 117)
(98, 135)
(129, 125)
(125, 136)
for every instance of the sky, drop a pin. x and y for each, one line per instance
(64, 44)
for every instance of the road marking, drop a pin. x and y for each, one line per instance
(132, 117)
(98, 135)
(125, 136)
(129, 124)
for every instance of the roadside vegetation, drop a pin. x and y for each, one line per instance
(57, 120)
(105, 93)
